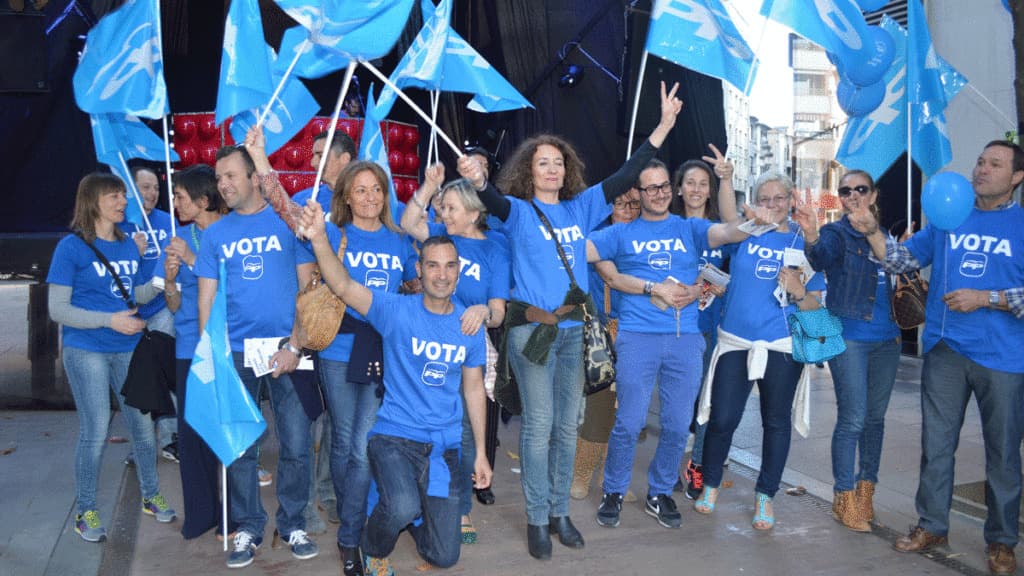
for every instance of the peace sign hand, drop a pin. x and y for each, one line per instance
(723, 167)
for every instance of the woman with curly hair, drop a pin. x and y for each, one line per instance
(546, 191)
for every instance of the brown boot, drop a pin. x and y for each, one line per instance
(845, 511)
(588, 456)
(865, 499)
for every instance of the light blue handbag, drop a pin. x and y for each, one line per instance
(817, 335)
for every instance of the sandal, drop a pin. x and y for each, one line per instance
(764, 517)
(468, 531)
(706, 503)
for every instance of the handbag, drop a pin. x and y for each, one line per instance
(598, 352)
(817, 335)
(318, 309)
(909, 299)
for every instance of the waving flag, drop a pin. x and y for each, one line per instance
(122, 68)
(699, 35)
(245, 77)
(315, 61)
(371, 147)
(217, 405)
(352, 28)
(838, 26)
(932, 81)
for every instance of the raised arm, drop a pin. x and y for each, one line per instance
(726, 193)
(414, 221)
(493, 200)
(270, 185)
(332, 270)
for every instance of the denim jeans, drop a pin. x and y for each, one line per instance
(401, 468)
(728, 400)
(551, 395)
(92, 375)
(947, 381)
(863, 376)
(643, 359)
(466, 462)
(293, 463)
(353, 408)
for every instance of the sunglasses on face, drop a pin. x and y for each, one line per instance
(845, 191)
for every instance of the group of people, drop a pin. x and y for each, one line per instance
(408, 428)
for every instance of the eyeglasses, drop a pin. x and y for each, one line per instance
(772, 200)
(631, 204)
(654, 189)
(845, 191)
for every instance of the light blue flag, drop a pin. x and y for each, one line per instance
(290, 112)
(932, 81)
(122, 69)
(245, 77)
(218, 407)
(873, 142)
(699, 35)
(315, 61)
(838, 26)
(355, 29)
(371, 147)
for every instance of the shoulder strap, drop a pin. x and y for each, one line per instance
(117, 277)
(558, 245)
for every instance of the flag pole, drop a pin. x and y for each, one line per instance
(753, 63)
(280, 85)
(387, 81)
(334, 127)
(170, 182)
(224, 503)
(432, 150)
(636, 103)
(138, 199)
(910, 168)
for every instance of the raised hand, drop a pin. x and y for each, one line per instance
(312, 221)
(470, 169)
(670, 105)
(256, 144)
(863, 220)
(434, 175)
(807, 217)
(723, 167)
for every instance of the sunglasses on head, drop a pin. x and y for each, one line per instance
(845, 191)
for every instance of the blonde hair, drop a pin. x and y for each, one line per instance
(341, 213)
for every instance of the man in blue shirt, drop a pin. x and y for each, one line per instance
(414, 445)
(341, 151)
(974, 325)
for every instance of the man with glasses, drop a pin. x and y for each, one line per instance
(654, 261)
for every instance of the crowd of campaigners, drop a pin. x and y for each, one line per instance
(490, 264)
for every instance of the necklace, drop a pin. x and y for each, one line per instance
(195, 236)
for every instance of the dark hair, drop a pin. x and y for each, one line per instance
(341, 213)
(517, 178)
(678, 206)
(438, 241)
(340, 144)
(87, 203)
(143, 168)
(1018, 153)
(225, 151)
(200, 181)
(652, 164)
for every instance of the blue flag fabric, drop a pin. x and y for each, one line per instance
(217, 405)
(873, 142)
(932, 81)
(315, 60)
(290, 112)
(354, 29)
(122, 67)
(371, 147)
(699, 35)
(245, 77)
(838, 26)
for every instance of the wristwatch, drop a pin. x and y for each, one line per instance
(288, 346)
(993, 298)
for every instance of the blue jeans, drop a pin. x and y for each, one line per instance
(947, 381)
(92, 375)
(551, 394)
(293, 464)
(466, 465)
(353, 408)
(728, 401)
(643, 359)
(401, 468)
(863, 376)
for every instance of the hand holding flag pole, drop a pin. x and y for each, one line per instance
(170, 182)
(130, 183)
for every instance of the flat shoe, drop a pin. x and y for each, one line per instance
(485, 496)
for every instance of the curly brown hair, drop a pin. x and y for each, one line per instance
(516, 178)
(341, 213)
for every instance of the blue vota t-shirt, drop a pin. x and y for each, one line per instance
(985, 253)
(655, 250)
(261, 254)
(424, 353)
(538, 275)
(380, 260)
(710, 317)
(881, 326)
(484, 268)
(161, 223)
(751, 310)
(74, 264)
(186, 319)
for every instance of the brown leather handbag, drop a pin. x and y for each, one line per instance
(908, 301)
(318, 309)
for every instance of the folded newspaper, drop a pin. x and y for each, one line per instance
(754, 229)
(710, 275)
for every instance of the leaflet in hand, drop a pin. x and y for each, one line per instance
(259, 351)
(754, 229)
(710, 275)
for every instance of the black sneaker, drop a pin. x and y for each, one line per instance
(608, 511)
(694, 480)
(663, 507)
(170, 452)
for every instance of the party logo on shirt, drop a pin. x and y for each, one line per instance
(377, 279)
(973, 264)
(570, 256)
(767, 269)
(116, 291)
(434, 373)
(252, 267)
(660, 261)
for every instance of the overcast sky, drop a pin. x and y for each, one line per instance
(771, 99)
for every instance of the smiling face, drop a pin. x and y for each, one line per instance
(438, 269)
(695, 189)
(457, 220)
(856, 199)
(112, 206)
(626, 208)
(149, 189)
(993, 177)
(774, 196)
(238, 189)
(548, 169)
(655, 193)
(365, 198)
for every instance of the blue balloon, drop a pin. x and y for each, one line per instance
(947, 200)
(859, 100)
(877, 55)
(873, 5)
(834, 59)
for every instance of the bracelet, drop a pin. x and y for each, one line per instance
(648, 287)
(288, 346)
(418, 202)
(171, 292)
(802, 298)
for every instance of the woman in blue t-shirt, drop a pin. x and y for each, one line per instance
(196, 199)
(545, 176)
(860, 294)
(754, 345)
(100, 332)
(483, 286)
